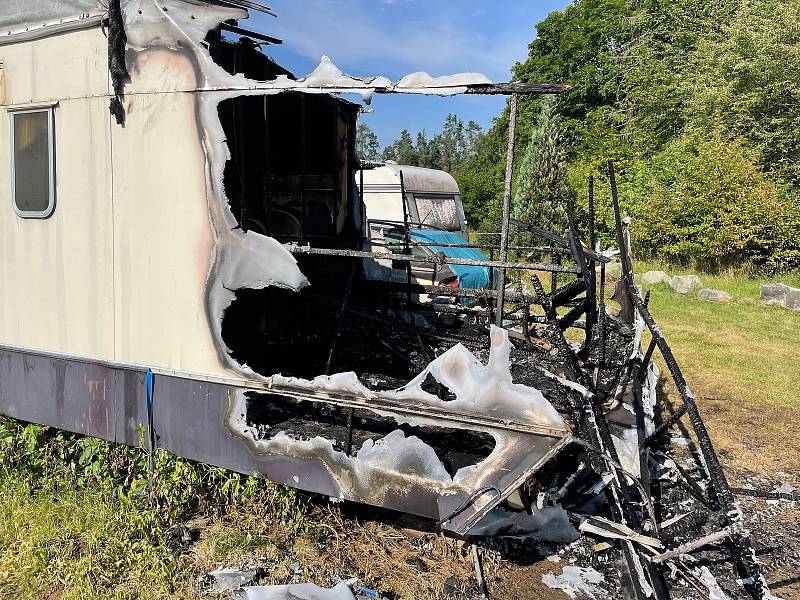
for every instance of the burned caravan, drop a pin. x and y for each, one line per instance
(160, 179)
(183, 247)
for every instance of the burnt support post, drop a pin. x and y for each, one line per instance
(556, 260)
(592, 308)
(592, 230)
(586, 274)
(406, 234)
(501, 277)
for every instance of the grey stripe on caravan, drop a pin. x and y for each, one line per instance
(345, 399)
(232, 381)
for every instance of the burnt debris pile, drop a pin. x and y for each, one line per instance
(528, 406)
(647, 514)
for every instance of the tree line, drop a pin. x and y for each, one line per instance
(696, 102)
(446, 150)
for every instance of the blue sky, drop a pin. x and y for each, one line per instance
(396, 37)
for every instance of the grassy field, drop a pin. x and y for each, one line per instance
(742, 360)
(70, 529)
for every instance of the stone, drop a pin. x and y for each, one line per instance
(653, 277)
(781, 294)
(683, 284)
(714, 295)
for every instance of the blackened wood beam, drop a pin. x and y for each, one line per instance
(251, 34)
(508, 89)
(557, 239)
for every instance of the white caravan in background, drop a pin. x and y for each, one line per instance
(432, 197)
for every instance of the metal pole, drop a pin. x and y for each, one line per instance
(592, 230)
(501, 277)
(406, 233)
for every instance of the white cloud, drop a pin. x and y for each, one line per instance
(437, 37)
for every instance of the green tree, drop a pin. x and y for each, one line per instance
(474, 138)
(746, 83)
(367, 144)
(542, 188)
(423, 149)
(406, 153)
(452, 143)
(705, 201)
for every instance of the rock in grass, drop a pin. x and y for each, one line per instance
(653, 277)
(781, 294)
(714, 295)
(683, 284)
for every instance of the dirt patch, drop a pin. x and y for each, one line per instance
(749, 439)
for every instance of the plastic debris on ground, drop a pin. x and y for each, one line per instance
(225, 580)
(297, 591)
(575, 581)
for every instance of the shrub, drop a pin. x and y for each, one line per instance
(701, 202)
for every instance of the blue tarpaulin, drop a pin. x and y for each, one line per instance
(468, 276)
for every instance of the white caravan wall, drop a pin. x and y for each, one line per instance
(162, 237)
(118, 272)
(56, 289)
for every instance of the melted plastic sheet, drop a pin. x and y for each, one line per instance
(300, 591)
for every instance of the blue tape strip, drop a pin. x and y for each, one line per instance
(149, 379)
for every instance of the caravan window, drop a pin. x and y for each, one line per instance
(32, 169)
(438, 211)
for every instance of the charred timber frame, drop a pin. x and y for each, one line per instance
(433, 260)
(731, 516)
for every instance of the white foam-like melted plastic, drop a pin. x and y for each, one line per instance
(298, 591)
(486, 390)
(423, 83)
(715, 592)
(575, 581)
(627, 443)
(394, 456)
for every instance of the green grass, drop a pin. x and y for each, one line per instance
(57, 542)
(76, 523)
(741, 360)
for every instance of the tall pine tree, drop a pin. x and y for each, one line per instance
(542, 191)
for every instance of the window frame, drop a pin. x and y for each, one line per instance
(51, 161)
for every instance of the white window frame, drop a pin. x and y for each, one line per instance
(51, 160)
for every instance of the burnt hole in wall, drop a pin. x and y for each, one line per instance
(291, 176)
(278, 331)
(270, 414)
